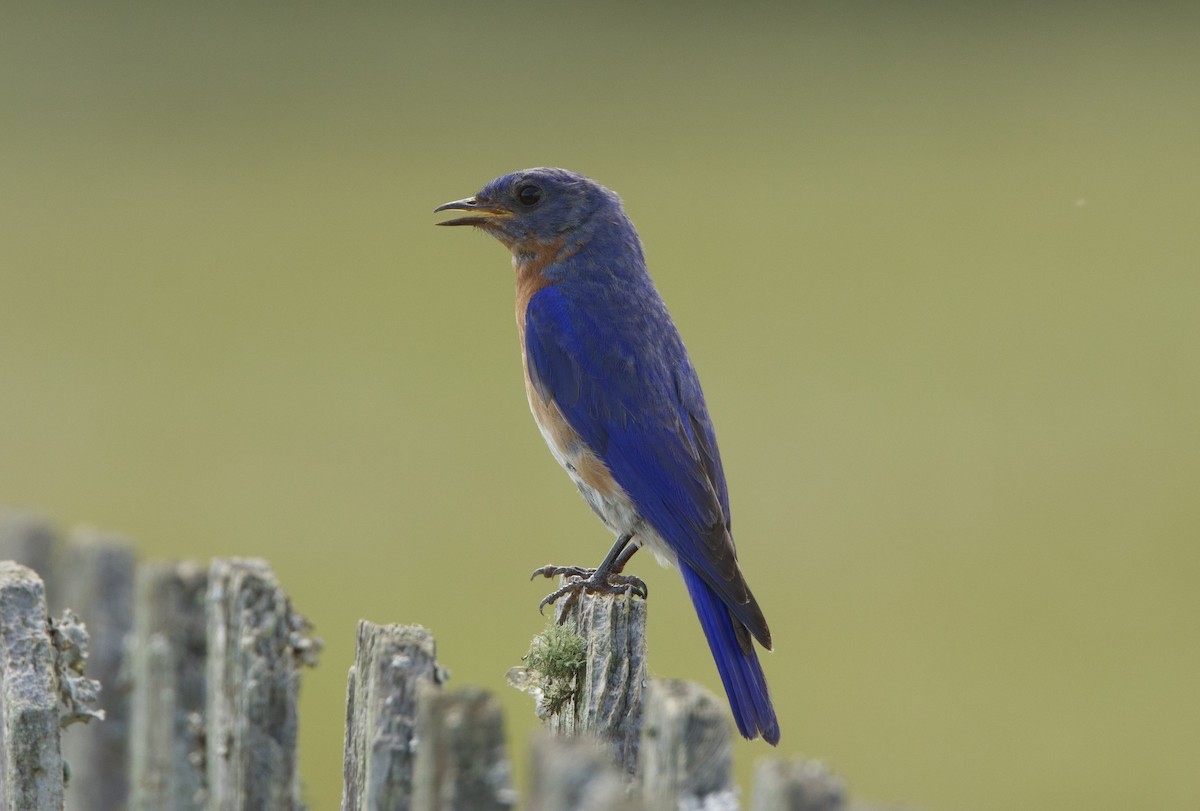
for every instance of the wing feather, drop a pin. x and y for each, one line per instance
(640, 409)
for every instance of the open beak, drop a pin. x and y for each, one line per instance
(484, 213)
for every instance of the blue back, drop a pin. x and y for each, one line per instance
(600, 342)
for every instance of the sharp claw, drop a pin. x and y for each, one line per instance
(565, 610)
(581, 580)
(549, 599)
(562, 571)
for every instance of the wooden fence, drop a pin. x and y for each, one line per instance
(200, 668)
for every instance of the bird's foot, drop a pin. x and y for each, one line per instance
(592, 581)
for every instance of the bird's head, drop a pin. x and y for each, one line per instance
(533, 208)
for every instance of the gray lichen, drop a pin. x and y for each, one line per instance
(306, 649)
(77, 693)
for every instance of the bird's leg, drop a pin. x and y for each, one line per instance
(623, 558)
(604, 579)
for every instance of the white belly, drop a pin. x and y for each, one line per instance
(606, 498)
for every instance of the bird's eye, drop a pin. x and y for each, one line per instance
(529, 195)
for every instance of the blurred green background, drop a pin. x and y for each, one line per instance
(938, 265)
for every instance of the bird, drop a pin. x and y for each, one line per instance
(617, 400)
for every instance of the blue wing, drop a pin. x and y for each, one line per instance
(622, 379)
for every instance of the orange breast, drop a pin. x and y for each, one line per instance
(564, 441)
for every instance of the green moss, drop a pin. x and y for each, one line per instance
(557, 656)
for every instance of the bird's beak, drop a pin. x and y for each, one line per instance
(489, 213)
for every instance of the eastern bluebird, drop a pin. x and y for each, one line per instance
(615, 396)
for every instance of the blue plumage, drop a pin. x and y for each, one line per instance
(610, 380)
(741, 673)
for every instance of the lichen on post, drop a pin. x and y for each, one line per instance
(594, 686)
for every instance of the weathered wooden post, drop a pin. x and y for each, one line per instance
(588, 675)
(167, 668)
(96, 581)
(797, 785)
(577, 774)
(32, 541)
(461, 760)
(686, 758)
(391, 665)
(256, 646)
(32, 774)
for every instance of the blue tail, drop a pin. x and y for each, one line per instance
(740, 671)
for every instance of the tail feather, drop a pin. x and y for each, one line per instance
(740, 671)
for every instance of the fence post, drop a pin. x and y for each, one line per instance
(797, 785)
(32, 777)
(608, 683)
(256, 645)
(167, 668)
(96, 580)
(686, 759)
(461, 762)
(32, 541)
(391, 663)
(577, 774)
